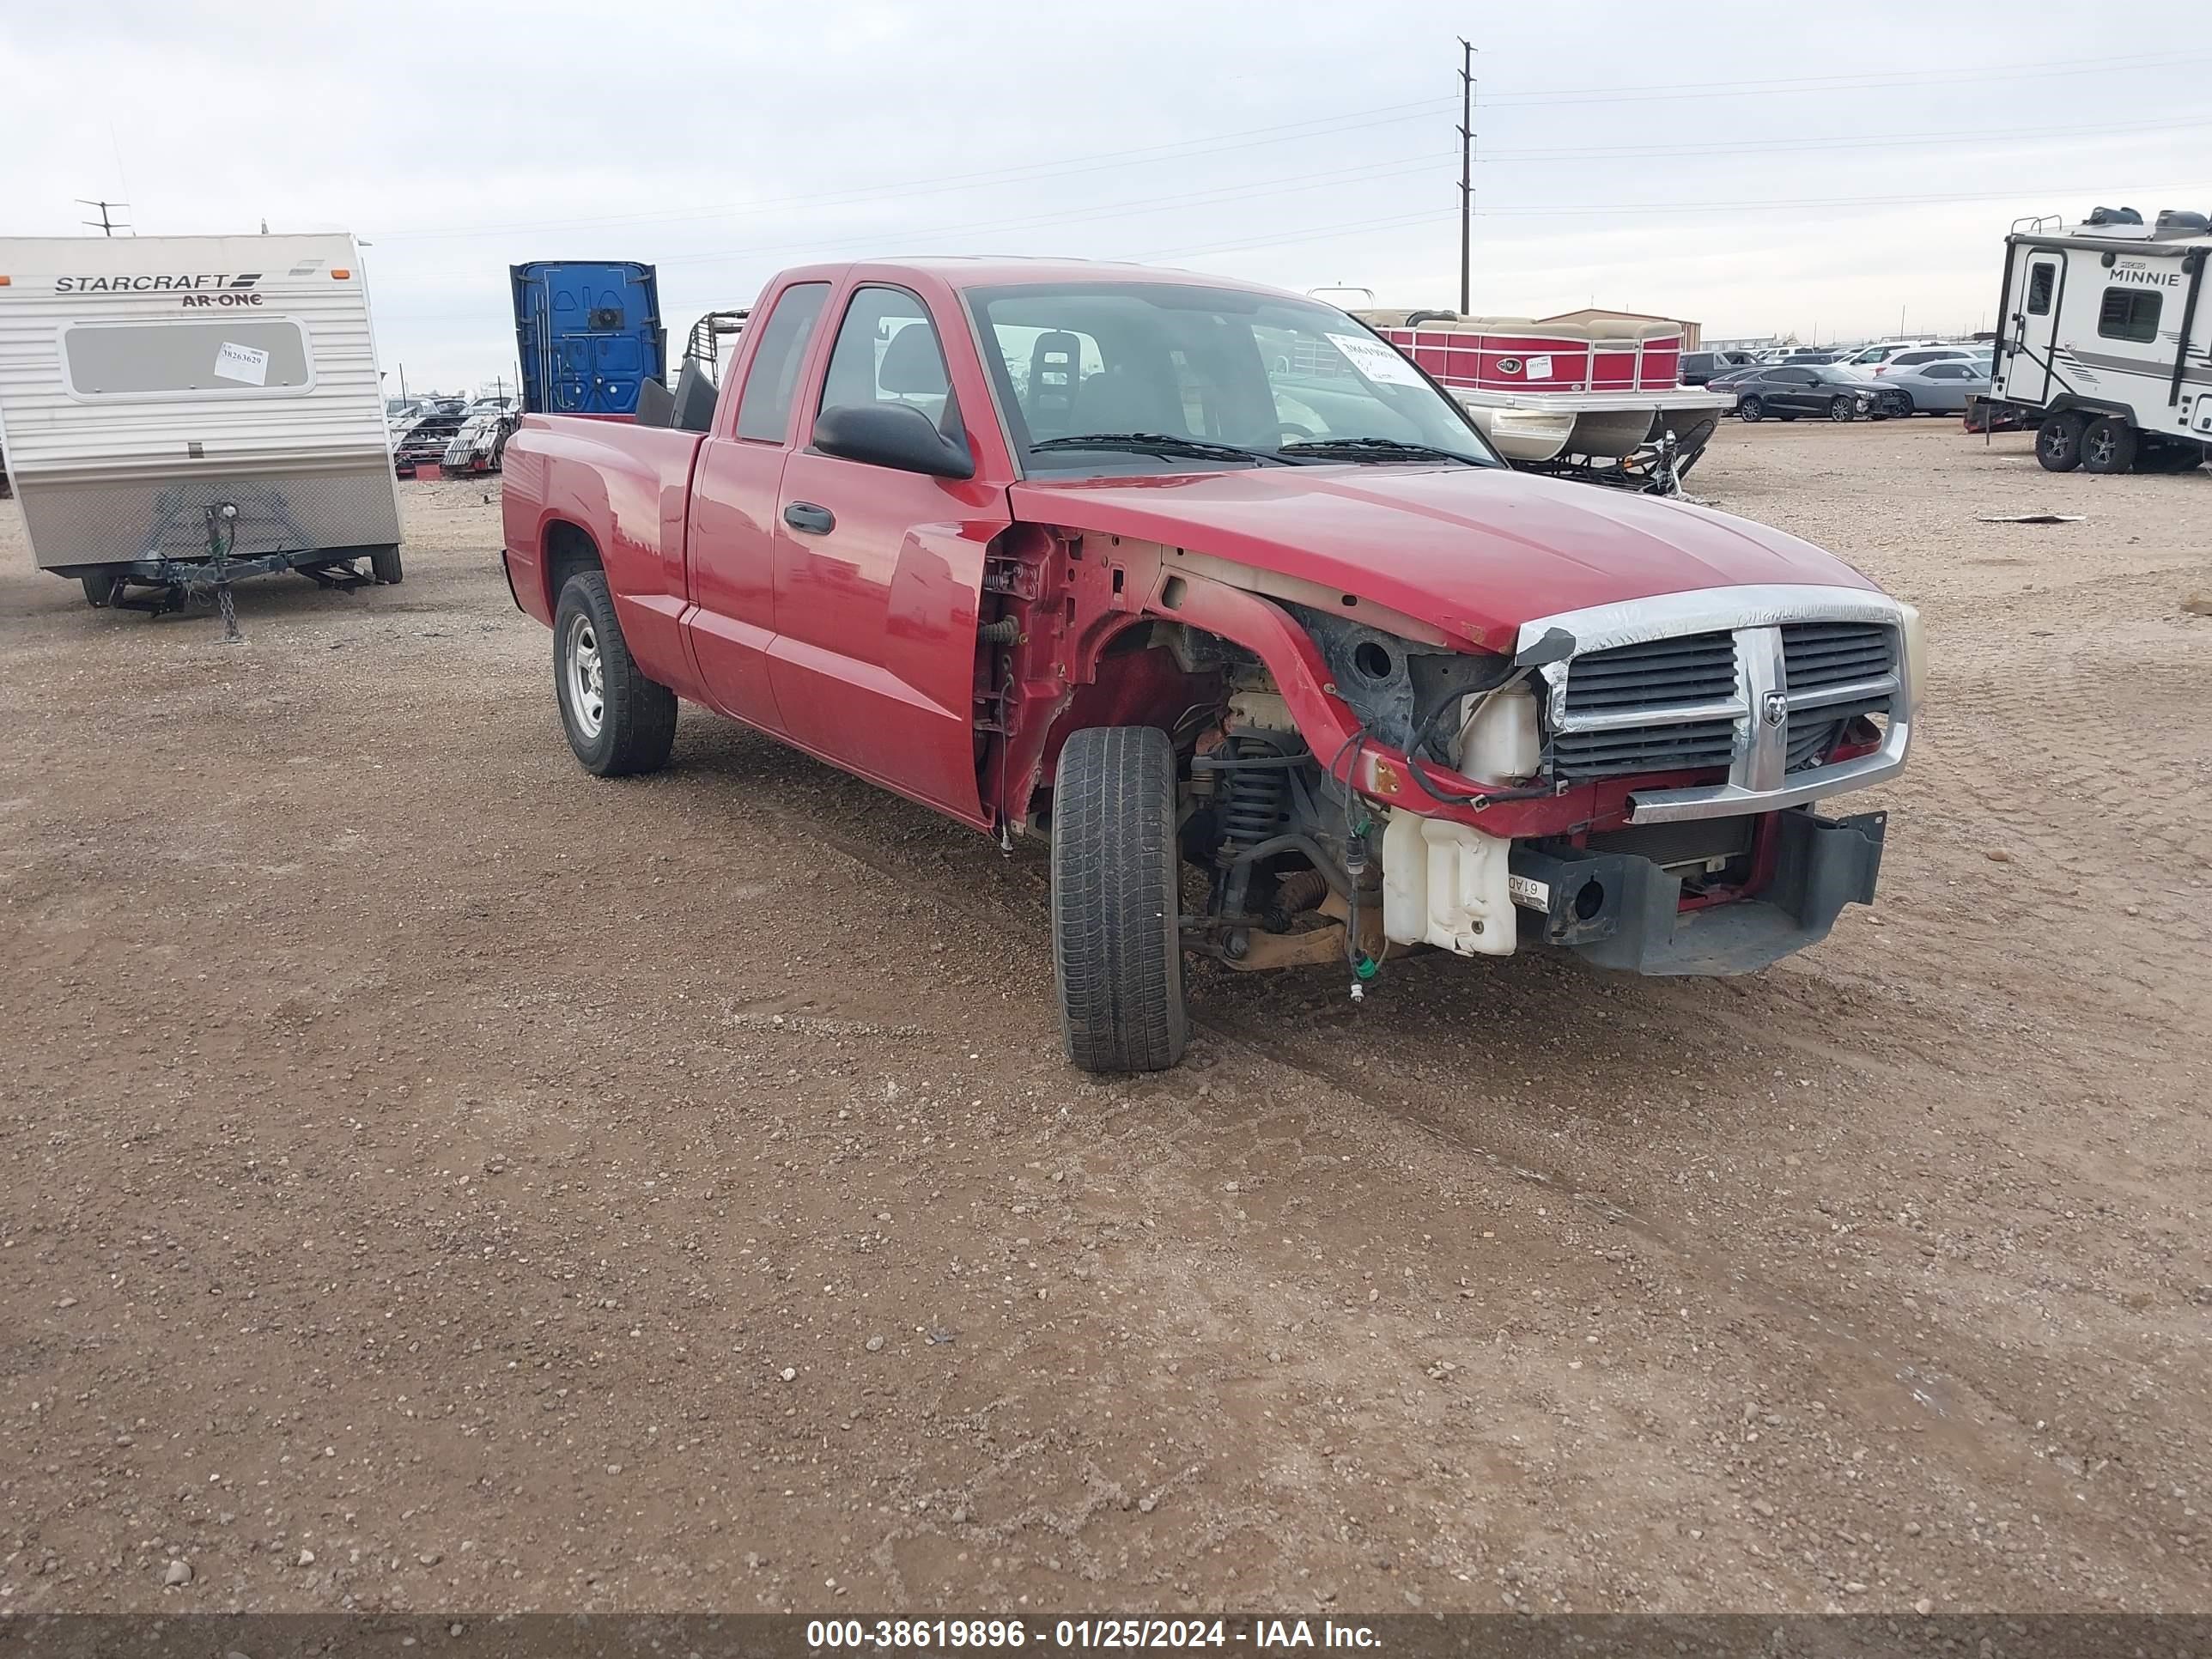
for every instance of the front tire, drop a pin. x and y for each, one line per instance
(2058, 442)
(1840, 409)
(1116, 938)
(2108, 445)
(619, 721)
(1751, 409)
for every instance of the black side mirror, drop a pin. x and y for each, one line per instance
(892, 434)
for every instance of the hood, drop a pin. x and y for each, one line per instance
(1473, 551)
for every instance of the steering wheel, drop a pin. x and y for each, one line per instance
(1293, 429)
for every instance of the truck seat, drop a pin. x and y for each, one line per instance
(1117, 399)
(912, 366)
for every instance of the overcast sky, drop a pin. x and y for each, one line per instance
(1757, 166)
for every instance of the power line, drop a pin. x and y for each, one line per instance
(1322, 233)
(1891, 141)
(874, 241)
(2041, 192)
(1252, 138)
(1674, 92)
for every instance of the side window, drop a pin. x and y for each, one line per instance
(886, 353)
(2040, 281)
(2129, 313)
(1795, 376)
(764, 408)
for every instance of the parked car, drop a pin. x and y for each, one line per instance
(1217, 576)
(1699, 367)
(1941, 387)
(1787, 391)
(1914, 357)
(1815, 355)
(1882, 351)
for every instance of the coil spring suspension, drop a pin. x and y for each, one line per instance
(1251, 812)
(1251, 798)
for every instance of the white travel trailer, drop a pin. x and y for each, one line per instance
(165, 400)
(2105, 333)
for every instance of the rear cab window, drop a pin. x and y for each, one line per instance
(772, 374)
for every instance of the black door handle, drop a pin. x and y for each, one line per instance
(814, 520)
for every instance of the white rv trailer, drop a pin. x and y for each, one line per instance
(2104, 332)
(164, 398)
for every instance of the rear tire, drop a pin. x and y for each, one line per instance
(2058, 442)
(384, 564)
(99, 588)
(1751, 409)
(2108, 445)
(1116, 939)
(618, 722)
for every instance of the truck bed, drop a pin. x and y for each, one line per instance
(629, 487)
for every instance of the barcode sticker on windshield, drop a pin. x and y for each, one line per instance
(243, 363)
(1375, 360)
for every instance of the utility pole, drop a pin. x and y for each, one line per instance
(1465, 175)
(105, 225)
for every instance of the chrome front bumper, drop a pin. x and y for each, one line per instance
(1762, 702)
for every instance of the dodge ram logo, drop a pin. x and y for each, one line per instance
(1774, 707)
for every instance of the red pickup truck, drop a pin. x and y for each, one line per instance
(1210, 586)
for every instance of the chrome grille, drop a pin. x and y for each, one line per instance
(1820, 654)
(1833, 671)
(1655, 673)
(1614, 754)
(1780, 697)
(1807, 663)
(1657, 705)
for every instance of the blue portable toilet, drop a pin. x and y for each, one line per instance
(589, 333)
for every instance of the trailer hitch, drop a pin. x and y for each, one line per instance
(222, 533)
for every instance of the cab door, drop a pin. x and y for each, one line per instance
(879, 571)
(734, 507)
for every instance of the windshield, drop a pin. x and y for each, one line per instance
(1220, 370)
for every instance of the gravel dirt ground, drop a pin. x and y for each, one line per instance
(437, 1179)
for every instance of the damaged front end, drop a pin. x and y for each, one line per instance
(1634, 782)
